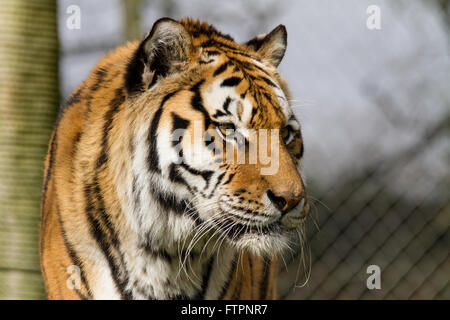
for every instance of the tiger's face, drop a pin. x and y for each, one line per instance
(224, 139)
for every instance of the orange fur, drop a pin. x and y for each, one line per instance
(75, 167)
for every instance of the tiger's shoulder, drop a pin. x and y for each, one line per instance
(86, 108)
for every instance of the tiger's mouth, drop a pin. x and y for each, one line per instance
(238, 223)
(236, 229)
(263, 239)
(256, 231)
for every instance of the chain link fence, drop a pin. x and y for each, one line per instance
(363, 222)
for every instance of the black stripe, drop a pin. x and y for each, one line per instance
(298, 135)
(98, 234)
(250, 264)
(264, 281)
(205, 280)
(169, 201)
(153, 159)
(136, 192)
(219, 114)
(268, 97)
(251, 66)
(100, 76)
(102, 228)
(226, 105)
(230, 49)
(175, 176)
(115, 104)
(210, 32)
(231, 82)
(221, 68)
(102, 240)
(74, 98)
(219, 179)
(205, 174)
(179, 123)
(103, 215)
(135, 69)
(268, 81)
(51, 160)
(244, 54)
(212, 145)
(213, 42)
(74, 257)
(160, 254)
(254, 111)
(230, 177)
(212, 52)
(228, 282)
(261, 69)
(197, 103)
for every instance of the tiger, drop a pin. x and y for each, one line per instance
(129, 212)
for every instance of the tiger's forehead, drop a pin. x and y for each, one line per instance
(243, 91)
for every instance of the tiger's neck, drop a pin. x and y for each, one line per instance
(165, 252)
(174, 272)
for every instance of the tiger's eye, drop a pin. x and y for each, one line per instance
(285, 133)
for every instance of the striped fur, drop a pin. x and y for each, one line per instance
(136, 223)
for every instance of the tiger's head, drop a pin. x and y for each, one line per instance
(214, 136)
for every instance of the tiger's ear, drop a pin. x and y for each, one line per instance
(271, 46)
(163, 51)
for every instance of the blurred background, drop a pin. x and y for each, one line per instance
(374, 106)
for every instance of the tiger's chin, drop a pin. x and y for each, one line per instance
(269, 242)
(270, 239)
(263, 245)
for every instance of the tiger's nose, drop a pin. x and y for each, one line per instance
(284, 202)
